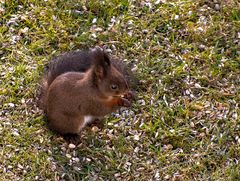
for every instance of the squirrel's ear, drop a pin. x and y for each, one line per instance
(101, 62)
(99, 72)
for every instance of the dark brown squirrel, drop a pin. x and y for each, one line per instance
(82, 87)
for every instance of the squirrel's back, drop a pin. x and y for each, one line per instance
(78, 61)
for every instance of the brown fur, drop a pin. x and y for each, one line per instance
(71, 96)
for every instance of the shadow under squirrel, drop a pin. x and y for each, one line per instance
(80, 88)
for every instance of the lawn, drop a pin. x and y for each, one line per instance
(185, 123)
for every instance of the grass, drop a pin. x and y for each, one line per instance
(185, 124)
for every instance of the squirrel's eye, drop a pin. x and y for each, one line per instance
(114, 86)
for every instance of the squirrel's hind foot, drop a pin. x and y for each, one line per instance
(72, 138)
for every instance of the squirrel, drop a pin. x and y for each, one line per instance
(80, 88)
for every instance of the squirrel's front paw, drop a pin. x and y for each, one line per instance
(124, 102)
(130, 96)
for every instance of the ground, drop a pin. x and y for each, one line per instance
(185, 123)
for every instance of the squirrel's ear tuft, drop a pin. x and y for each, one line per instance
(101, 62)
